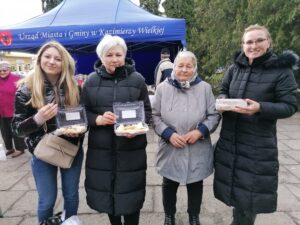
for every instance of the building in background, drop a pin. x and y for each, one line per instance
(20, 62)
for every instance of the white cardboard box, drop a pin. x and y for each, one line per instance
(227, 104)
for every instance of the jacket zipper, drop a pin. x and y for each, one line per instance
(114, 156)
(115, 90)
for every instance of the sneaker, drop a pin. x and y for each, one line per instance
(17, 153)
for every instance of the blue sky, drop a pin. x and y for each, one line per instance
(15, 11)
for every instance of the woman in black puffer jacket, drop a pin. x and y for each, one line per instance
(246, 155)
(49, 85)
(115, 166)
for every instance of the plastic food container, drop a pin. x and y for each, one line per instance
(130, 118)
(227, 104)
(71, 120)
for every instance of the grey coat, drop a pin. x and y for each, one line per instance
(182, 110)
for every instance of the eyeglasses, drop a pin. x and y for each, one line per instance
(3, 71)
(257, 41)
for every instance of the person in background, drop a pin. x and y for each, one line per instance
(80, 78)
(164, 67)
(115, 166)
(51, 84)
(14, 145)
(246, 154)
(184, 116)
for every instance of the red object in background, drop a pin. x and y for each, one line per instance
(6, 38)
(80, 82)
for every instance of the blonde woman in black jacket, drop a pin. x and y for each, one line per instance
(36, 105)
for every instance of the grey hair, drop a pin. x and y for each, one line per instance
(4, 64)
(187, 54)
(108, 42)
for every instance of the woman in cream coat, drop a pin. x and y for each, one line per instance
(184, 115)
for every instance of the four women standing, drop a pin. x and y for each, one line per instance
(184, 115)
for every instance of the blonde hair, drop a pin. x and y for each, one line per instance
(109, 42)
(258, 27)
(35, 79)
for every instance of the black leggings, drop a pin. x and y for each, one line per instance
(132, 219)
(169, 191)
(8, 137)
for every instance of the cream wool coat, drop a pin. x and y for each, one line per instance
(183, 110)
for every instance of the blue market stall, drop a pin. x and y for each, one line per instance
(80, 24)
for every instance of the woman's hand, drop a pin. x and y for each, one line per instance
(177, 140)
(108, 118)
(252, 108)
(48, 111)
(130, 135)
(45, 113)
(193, 136)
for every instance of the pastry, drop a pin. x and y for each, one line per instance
(136, 128)
(74, 129)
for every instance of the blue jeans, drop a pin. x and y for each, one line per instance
(45, 176)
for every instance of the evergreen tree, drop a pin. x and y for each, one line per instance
(182, 9)
(214, 27)
(49, 4)
(151, 6)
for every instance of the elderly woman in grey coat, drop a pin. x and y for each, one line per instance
(184, 115)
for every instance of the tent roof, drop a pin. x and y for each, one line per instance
(80, 24)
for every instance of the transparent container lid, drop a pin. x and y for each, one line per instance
(129, 112)
(71, 116)
(130, 118)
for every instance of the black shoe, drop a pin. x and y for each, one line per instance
(241, 217)
(53, 220)
(169, 219)
(194, 220)
(9, 152)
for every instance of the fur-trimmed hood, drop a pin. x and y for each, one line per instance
(288, 59)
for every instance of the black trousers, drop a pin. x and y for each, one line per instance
(8, 137)
(132, 219)
(194, 191)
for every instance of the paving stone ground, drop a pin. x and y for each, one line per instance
(18, 197)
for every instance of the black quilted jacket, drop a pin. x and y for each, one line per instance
(115, 166)
(246, 155)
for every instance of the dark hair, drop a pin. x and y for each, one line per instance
(165, 51)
